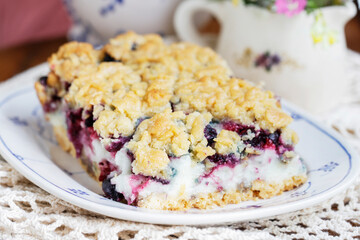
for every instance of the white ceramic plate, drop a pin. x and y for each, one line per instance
(27, 143)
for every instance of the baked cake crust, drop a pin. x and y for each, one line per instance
(160, 102)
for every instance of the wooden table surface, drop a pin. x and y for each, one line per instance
(20, 58)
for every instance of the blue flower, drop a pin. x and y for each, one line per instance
(110, 7)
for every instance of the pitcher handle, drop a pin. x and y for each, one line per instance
(183, 19)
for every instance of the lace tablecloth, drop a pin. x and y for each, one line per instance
(28, 212)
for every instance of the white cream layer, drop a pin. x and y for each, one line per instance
(189, 179)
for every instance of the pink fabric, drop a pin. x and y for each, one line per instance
(31, 20)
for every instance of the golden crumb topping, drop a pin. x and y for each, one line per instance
(169, 134)
(227, 142)
(178, 89)
(74, 59)
(235, 99)
(195, 125)
(150, 76)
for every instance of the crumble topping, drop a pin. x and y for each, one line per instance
(74, 59)
(168, 134)
(112, 123)
(178, 89)
(228, 142)
(150, 75)
(195, 124)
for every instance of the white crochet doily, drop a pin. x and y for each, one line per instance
(28, 212)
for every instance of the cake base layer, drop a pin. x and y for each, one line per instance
(259, 190)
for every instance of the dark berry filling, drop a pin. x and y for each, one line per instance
(130, 155)
(52, 105)
(67, 85)
(89, 117)
(43, 80)
(237, 127)
(155, 179)
(134, 46)
(210, 134)
(53, 100)
(140, 120)
(139, 182)
(160, 180)
(106, 168)
(110, 191)
(108, 58)
(89, 121)
(219, 159)
(275, 137)
(79, 133)
(117, 144)
(172, 106)
(73, 122)
(263, 139)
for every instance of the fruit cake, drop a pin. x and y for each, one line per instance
(168, 126)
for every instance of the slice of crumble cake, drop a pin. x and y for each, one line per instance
(167, 126)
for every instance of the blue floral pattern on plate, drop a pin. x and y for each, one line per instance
(78, 191)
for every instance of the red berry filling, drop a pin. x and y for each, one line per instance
(106, 168)
(263, 139)
(117, 144)
(79, 134)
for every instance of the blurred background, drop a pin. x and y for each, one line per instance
(31, 30)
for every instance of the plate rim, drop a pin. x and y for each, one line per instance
(176, 218)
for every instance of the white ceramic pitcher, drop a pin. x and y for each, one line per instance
(96, 21)
(301, 58)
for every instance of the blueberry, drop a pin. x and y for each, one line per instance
(67, 85)
(73, 122)
(134, 46)
(224, 159)
(89, 122)
(210, 133)
(43, 80)
(108, 58)
(259, 140)
(274, 137)
(110, 191)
